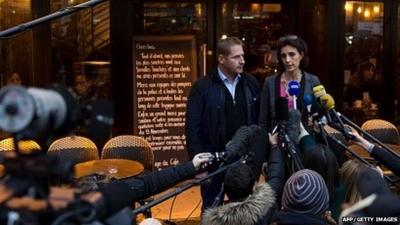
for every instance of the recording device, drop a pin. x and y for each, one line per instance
(34, 112)
(314, 110)
(217, 158)
(294, 90)
(240, 142)
(235, 148)
(285, 143)
(336, 122)
(318, 91)
(308, 100)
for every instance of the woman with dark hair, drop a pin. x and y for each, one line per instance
(323, 161)
(292, 57)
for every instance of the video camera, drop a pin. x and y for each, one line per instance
(40, 114)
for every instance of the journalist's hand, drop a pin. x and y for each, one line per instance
(201, 158)
(362, 141)
(273, 138)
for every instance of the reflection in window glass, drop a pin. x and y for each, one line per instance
(363, 56)
(81, 44)
(397, 68)
(168, 18)
(15, 52)
(259, 26)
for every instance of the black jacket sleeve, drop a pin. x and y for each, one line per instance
(387, 159)
(264, 115)
(276, 170)
(120, 194)
(195, 108)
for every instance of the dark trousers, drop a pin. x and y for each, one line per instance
(212, 192)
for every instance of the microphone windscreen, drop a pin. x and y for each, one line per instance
(327, 101)
(293, 88)
(237, 147)
(282, 109)
(319, 91)
(293, 125)
(308, 99)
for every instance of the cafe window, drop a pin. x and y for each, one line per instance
(397, 68)
(81, 45)
(176, 18)
(15, 52)
(259, 26)
(363, 54)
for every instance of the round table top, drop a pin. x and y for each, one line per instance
(115, 168)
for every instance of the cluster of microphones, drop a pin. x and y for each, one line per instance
(35, 112)
(321, 111)
(320, 106)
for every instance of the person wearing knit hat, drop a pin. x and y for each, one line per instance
(305, 200)
(305, 192)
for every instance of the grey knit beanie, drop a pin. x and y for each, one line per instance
(305, 192)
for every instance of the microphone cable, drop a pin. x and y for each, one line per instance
(194, 209)
(170, 210)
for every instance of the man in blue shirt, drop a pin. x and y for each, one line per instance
(219, 103)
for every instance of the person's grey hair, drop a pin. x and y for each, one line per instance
(224, 45)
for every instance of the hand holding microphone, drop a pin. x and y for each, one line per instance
(201, 158)
(358, 139)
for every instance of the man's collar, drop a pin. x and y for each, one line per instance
(224, 78)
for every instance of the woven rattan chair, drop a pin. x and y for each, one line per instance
(74, 149)
(130, 147)
(133, 148)
(25, 146)
(382, 130)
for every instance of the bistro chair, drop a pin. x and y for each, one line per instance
(382, 130)
(74, 149)
(25, 146)
(130, 147)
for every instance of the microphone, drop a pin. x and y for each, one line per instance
(308, 100)
(319, 91)
(294, 89)
(287, 121)
(238, 146)
(35, 112)
(316, 108)
(293, 125)
(329, 104)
